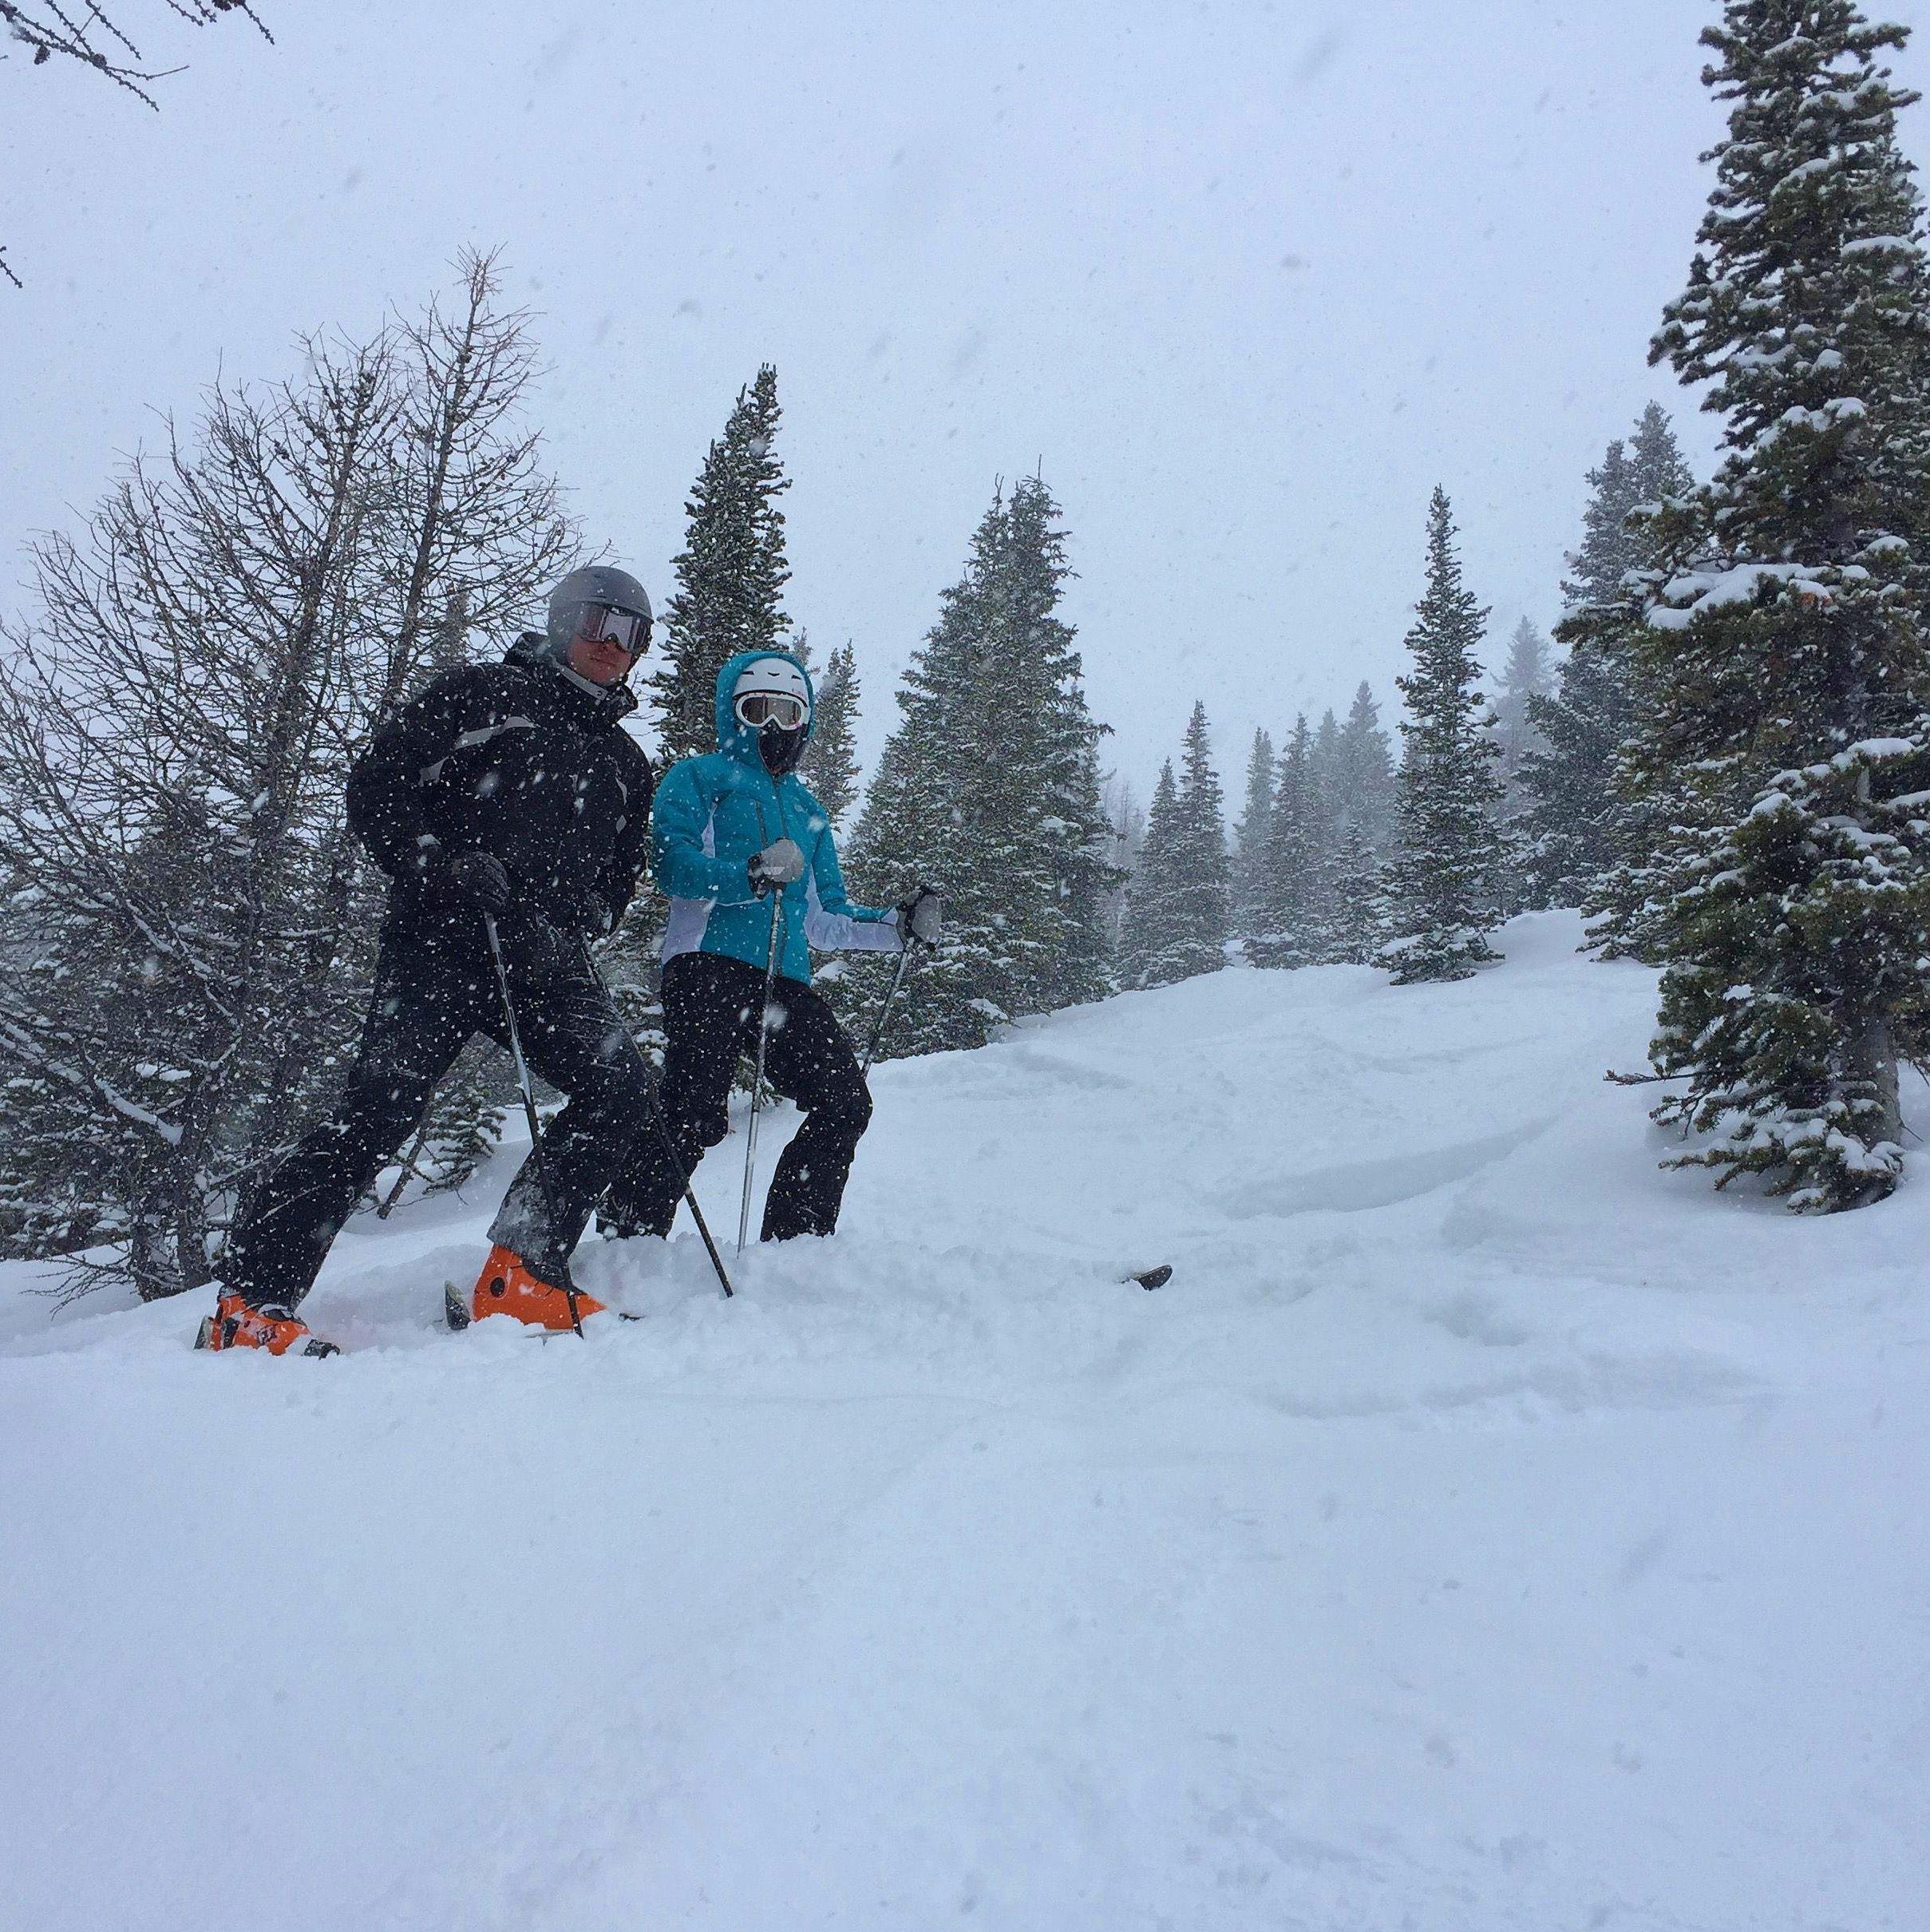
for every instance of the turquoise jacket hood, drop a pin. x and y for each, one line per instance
(734, 737)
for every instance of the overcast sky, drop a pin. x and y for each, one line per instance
(1246, 281)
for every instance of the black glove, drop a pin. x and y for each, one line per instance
(590, 916)
(921, 917)
(778, 864)
(477, 879)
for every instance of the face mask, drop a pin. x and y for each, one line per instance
(780, 749)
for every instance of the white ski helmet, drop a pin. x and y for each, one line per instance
(773, 691)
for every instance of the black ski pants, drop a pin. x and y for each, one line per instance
(710, 1007)
(435, 987)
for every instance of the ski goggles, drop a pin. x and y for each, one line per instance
(604, 623)
(758, 708)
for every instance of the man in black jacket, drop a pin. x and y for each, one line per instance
(509, 790)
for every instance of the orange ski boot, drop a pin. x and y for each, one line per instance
(507, 1286)
(238, 1324)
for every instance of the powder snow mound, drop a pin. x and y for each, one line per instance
(1483, 1530)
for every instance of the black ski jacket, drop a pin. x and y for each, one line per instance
(519, 759)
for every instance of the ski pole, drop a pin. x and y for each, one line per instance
(689, 1191)
(529, 1109)
(757, 1082)
(657, 1120)
(884, 1012)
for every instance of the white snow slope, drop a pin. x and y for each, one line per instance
(1485, 1529)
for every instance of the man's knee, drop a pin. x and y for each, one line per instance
(380, 1105)
(696, 1124)
(617, 1082)
(844, 1106)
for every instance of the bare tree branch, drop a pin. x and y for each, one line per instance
(89, 36)
(48, 29)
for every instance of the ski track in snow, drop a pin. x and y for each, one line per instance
(1484, 1530)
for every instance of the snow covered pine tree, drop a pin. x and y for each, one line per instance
(1360, 920)
(1441, 885)
(989, 788)
(830, 762)
(1589, 841)
(1785, 646)
(1250, 835)
(1177, 905)
(1153, 892)
(1527, 675)
(1367, 789)
(730, 574)
(1293, 903)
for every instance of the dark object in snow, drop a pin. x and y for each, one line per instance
(1151, 1278)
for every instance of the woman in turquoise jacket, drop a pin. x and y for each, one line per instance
(729, 829)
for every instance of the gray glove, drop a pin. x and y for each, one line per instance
(779, 864)
(921, 917)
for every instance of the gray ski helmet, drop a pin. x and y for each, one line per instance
(594, 584)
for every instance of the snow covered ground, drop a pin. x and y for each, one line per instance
(1484, 1530)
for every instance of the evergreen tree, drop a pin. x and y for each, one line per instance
(1527, 675)
(1637, 818)
(1155, 896)
(730, 574)
(912, 828)
(1359, 915)
(1328, 777)
(1609, 548)
(1658, 476)
(1585, 843)
(1367, 787)
(1325, 816)
(1250, 835)
(1440, 882)
(1569, 829)
(990, 788)
(1203, 850)
(1784, 668)
(1178, 904)
(1041, 832)
(1292, 930)
(830, 763)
